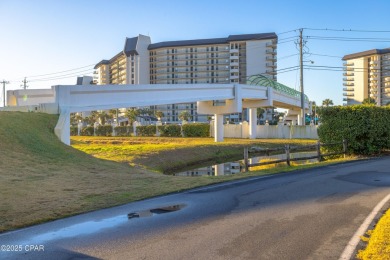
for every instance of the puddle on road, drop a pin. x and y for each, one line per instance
(156, 211)
(238, 166)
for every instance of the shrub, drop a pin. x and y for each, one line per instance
(104, 130)
(170, 130)
(196, 130)
(146, 130)
(122, 131)
(365, 127)
(87, 131)
(74, 130)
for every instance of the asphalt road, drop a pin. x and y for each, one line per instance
(310, 214)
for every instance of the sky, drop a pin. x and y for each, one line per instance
(51, 42)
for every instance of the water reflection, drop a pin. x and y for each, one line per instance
(238, 166)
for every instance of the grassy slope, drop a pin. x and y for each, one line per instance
(41, 179)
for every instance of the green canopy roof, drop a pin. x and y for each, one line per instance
(261, 80)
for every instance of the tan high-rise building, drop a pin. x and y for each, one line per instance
(219, 60)
(367, 75)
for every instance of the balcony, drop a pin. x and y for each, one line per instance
(270, 65)
(374, 62)
(348, 94)
(272, 52)
(270, 58)
(348, 63)
(233, 50)
(271, 44)
(234, 70)
(271, 72)
(348, 89)
(348, 69)
(348, 74)
(234, 63)
(348, 84)
(234, 77)
(347, 79)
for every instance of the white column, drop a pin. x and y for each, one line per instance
(299, 119)
(252, 123)
(218, 128)
(219, 169)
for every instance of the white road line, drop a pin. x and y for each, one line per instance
(352, 244)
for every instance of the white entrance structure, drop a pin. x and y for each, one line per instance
(217, 99)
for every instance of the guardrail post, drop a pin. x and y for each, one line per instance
(318, 147)
(246, 159)
(345, 147)
(287, 147)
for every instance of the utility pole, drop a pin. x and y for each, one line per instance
(301, 78)
(4, 82)
(24, 83)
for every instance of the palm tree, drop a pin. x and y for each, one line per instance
(132, 114)
(103, 117)
(368, 101)
(184, 116)
(75, 118)
(327, 102)
(260, 112)
(159, 114)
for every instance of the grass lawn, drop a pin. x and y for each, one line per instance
(378, 246)
(42, 179)
(167, 155)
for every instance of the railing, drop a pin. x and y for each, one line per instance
(288, 149)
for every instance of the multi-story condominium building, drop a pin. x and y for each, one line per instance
(367, 75)
(220, 60)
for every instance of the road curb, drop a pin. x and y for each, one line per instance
(350, 249)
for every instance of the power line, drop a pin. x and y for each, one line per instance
(345, 30)
(63, 76)
(61, 71)
(348, 39)
(295, 30)
(325, 55)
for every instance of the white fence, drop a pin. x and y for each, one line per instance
(270, 131)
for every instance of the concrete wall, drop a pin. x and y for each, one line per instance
(30, 97)
(255, 57)
(270, 131)
(143, 75)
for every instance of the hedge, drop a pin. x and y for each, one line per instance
(122, 130)
(170, 130)
(104, 130)
(74, 130)
(196, 130)
(365, 127)
(146, 130)
(87, 131)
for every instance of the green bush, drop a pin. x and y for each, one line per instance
(87, 131)
(170, 130)
(122, 131)
(365, 127)
(74, 130)
(196, 130)
(104, 130)
(146, 130)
